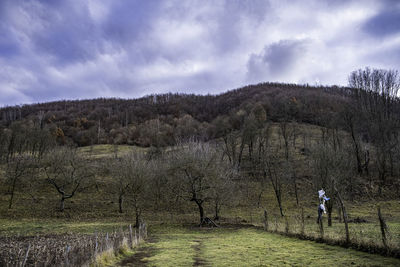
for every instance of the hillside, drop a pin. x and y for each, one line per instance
(159, 120)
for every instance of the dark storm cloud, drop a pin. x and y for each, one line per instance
(8, 44)
(88, 48)
(128, 20)
(228, 34)
(275, 60)
(385, 23)
(68, 34)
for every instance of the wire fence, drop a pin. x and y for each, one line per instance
(67, 249)
(378, 235)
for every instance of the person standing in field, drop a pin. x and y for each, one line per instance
(321, 206)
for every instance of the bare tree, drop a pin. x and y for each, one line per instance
(130, 175)
(67, 172)
(222, 186)
(137, 172)
(286, 131)
(17, 169)
(233, 148)
(197, 172)
(160, 192)
(376, 95)
(241, 130)
(120, 182)
(263, 143)
(276, 171)
(4, 139)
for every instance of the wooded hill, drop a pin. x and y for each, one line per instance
(159, 120)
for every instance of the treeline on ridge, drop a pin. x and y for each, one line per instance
(159, 120)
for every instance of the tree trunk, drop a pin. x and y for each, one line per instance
(259, 198)
(201, 210)
(216, 207)
(382, 182)
(227, 150)
(329, 207)
(279, 199)
(137, 220)
(302, 221)
(240, 154)
(62, 203)
(366, 162)
(391, 163)
(346, 225)
(356, 149)
(137, 216)
(280, 207)
(277, 189)
(265, 220)
(12, 193)
(120, 201)
(251, 150)
(383, 228)
(295, 188)
(330, 218)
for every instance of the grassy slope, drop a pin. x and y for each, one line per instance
(183, 246)
(32, 227)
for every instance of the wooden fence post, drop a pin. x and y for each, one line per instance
(68, 248)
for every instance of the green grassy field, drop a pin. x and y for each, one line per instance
(180, 245)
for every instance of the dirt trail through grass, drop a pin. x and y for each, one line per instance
(140, 258)
(198, 257)
(243, 246)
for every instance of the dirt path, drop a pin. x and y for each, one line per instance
(140, 256)
(198, 257)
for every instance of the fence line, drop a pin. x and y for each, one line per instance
(373, 237)
(66, 250)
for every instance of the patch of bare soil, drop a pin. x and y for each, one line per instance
(139, 258)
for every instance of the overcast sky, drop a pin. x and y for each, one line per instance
(75, 49)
